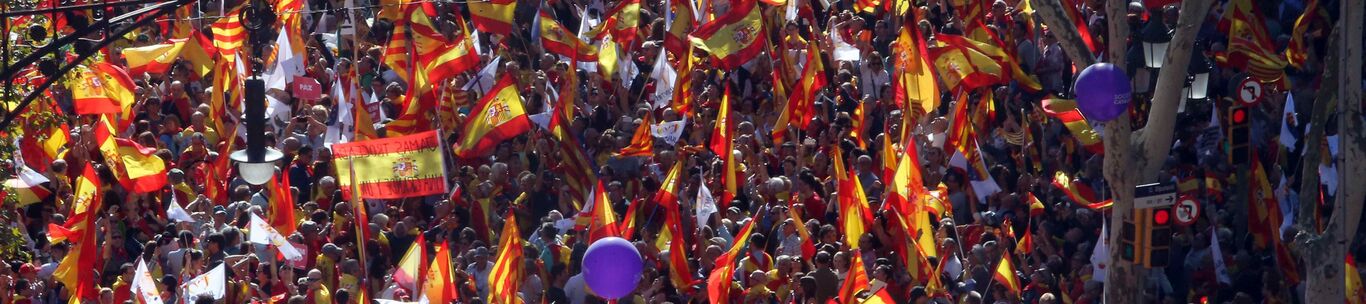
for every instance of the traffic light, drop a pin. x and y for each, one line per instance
(1239, 148)
(1159, 237)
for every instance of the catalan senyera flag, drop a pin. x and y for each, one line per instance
(493, 16)
(281, 204)
(1249, 43)
(963, 66)
(733, 38)
(101, 88)
(228, 33)
(393, 167)
(153, 59)
(854, 281)
(682, 101)
(1298, 50)
(137, 168)
(1356, 294)
(1080, 193)
(557, 39)
(497, 117)
(427, 40)
(398, 52)
(1005, 274)
(681, 22)
(506, 277)
(415, 112)
(622, 22)
(642, 142)
(73, 270)
(915, 87)
(719, 280)
(439, 286)
(1069, 7)
(856, 127)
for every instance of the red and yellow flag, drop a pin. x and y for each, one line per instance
(1036, 208)
(1069, 7)
(602, 220)
(642, 143)
(199, 51)
(1249, 44)
(394, 167)
(498, 117)
(1298, 49)
(439, 284)
(733, 38)
(228, 33)
(506, 277)
(73, 270)
(676, 39)
(911, 249)
(153, 59)
(281, 204)
(1356, 294)
(854, 215)
(137, 168)
(1005, 274)
(493, 16)
(413, 267)
(720, 132)
(682, 99)
(1075, 122)
(800, 106)
(962, 65)
(557, 39)
(621, 22)
(854, 281)
(453, 58)
(719, 281)
(398, 52)
(915, 86)
(101, 88)
(1080, 193)
(680, 274)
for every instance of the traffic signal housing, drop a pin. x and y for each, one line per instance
(1145, 237)
(1239, 148)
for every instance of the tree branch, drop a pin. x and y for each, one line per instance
(1349, 200)
(1051, 13)
(1157, 135)
(1324, 102)
(1118, 151)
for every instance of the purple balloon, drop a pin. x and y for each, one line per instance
(1103, 92)
(611, 267)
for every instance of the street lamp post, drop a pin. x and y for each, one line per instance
(256, 163)
(1199, 70)
(1155, 38)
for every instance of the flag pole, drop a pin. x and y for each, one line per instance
(358, 211)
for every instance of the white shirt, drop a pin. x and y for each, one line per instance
(481, 278)
(576, 289)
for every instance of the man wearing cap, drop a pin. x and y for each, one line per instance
(317, 292)
(479, 271)
(326, 263)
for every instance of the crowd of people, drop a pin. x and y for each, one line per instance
(788, 189)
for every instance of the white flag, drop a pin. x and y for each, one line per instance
(1219, 270)
(1287, 138)
(706, 204)
(486, 77)
(669, 131)
(175, 212)
(208, 284)
(262, 233)
(1100, 256)
(144, 287)
(664, 77)
(286, 64)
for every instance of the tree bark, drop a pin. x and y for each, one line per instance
(1324, 102)
(1123, 279)
(1157, 135)
(1051, 13)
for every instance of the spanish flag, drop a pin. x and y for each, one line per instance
(720, 132)
(808, 245)
(199, 51)
(680, 274)
(1298, 50)
(622, 22)
(394, 167)
(73, 270)
(854, 281)
(506, 277)
(439, 284)
(281, 204)
(153, 59)
(913, 256)
(228, 33)
(498, 117)
(1356, 294)
(680, 23)
(1026, 243)
(642, 143)
(1075, 122)
(719, 281)
(101, 88)
(493, 16)
(1250, 46)
(1005, 274)
(453, 58)
(412, 267)
(854, 215)
(1036, 208)
(733, 38)
(1080, 193)
(137, 168)
(602, 221)
(557, 39)
(963, 66)
(915, 87)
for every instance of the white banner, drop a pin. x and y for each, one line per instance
(262, 233)
(209, 284)
(144, 287)
(669, 131)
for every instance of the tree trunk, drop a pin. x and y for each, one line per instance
(1051, 13)
(1123, 279)
(1157, 135)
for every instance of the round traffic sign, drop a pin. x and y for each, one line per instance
(1250, 91)
(1186, 211)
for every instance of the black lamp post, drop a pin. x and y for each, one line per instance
(1199, 70)
(1155, 38)
(256, 163)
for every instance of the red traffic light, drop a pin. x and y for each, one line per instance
(1161, 216)
(1238, 115)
